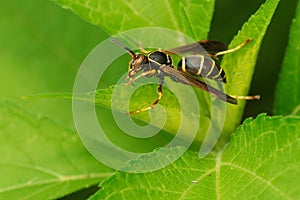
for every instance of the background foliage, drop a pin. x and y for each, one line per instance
(41, 49)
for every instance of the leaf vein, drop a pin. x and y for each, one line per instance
(198, 180)
(267, 182)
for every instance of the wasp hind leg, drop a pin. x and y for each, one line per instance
(159, 91)
(233, 49)
(254, 97)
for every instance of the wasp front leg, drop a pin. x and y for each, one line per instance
(160, 94)
(146, 73)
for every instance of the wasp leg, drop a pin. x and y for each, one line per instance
(233, 49)
(150, 72)
(254, 97)
(142, 49)
(159, 91)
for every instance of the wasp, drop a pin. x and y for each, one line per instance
(203, 63)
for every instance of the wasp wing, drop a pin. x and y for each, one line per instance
(181, 77)
(200, 47)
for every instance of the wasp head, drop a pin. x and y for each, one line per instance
(135, 64)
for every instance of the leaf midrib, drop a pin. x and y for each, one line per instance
(62, 179)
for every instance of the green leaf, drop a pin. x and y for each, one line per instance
(103, 98)
(287, 99)
(41, 49)
(118, 16)
(40, 159)
(190, 25)
(239, 66)
(260, 162)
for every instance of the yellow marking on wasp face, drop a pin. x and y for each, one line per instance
(200, 66)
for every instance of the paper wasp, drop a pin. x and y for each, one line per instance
(203, 63)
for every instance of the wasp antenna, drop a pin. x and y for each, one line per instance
(130, 52)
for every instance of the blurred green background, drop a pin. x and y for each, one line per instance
(42, 46)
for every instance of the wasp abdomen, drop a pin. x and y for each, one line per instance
(203, 66)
